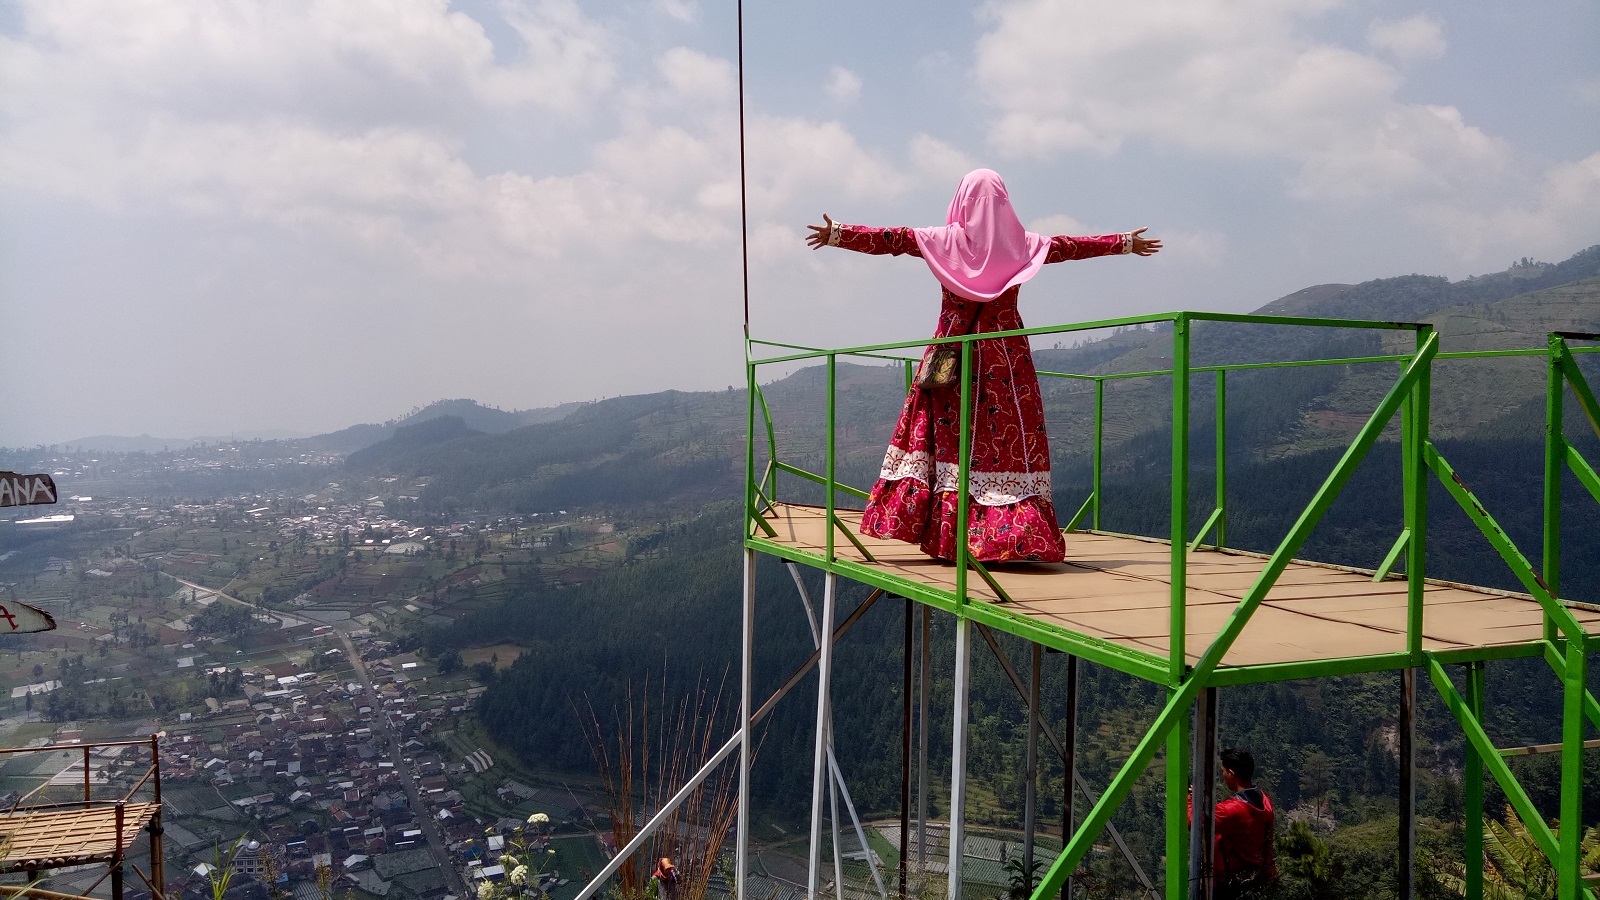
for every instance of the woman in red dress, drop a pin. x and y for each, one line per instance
(981, 255)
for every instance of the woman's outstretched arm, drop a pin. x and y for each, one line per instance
(863, 239)
(1063, 248)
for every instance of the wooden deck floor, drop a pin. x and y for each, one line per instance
(42, 839)
(1117, 589)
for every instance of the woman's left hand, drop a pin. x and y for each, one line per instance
(1145, 246)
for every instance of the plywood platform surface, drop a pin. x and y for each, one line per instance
(1118, 589)
(38, 839)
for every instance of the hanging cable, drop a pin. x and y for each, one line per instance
(744, 211)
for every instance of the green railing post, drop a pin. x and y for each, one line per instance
(1177, 868)
(771, 486)
(910, 373)
(1099, 443)
(1472, 785)
(831, 453)
(963, 474)
(1569, 872)
(1554, 456)
(1222, 457)
(1177, 659)
(1415, 421)
(750, 439)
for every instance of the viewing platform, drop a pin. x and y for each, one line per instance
(1182, 609)
(40, 832)
(1109, 602)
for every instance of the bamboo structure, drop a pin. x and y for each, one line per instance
(39, 835)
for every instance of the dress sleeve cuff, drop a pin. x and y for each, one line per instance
(1127, 242)
(833, 235)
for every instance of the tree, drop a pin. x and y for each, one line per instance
(449, 661)
(1514, 866)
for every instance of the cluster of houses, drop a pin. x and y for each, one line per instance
(317, 741)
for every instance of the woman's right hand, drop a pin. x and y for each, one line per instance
(818, 238)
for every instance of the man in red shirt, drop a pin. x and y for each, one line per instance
(1243, 863)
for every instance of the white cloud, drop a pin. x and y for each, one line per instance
(844, 85)
(1242, 80)
(1058, 224)
(685, 11)
(1415, 38)
(1559, 217)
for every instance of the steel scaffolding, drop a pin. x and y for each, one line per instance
(1201, 596)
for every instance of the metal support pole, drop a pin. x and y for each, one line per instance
(86, 775)
(1069, 761)
(906, 687)
(922, 747)
(1177, 789)
(1099, 442)
(1177, 661)
(1555, 446)
(1415, 422)
(746, 707)
(1569, 870)
(158, 856)
(1031, 769)
(1408, 787)
(958, 754)
(833, 818)
(855, 822)
(637, 843)
(831, 453)
(1472, 786)
(116, 855)
(819, 761)
(1177, 627)
(1222, 457)
(1203, 777)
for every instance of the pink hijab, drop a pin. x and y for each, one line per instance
(982, 250)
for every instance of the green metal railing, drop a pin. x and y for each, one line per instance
(1565, 644)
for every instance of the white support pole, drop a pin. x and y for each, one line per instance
(637, 844)
(746, 709)
(818, 771)
(958, 756)
(855, 820)
(833, 815)
(922, 748)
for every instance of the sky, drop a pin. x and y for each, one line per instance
(236, 216)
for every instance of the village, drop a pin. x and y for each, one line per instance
(302, 745)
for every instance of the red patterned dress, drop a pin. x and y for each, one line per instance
(914, 500)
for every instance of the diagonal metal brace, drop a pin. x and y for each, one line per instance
(1502, 543)
(1178, 704)
(1061, 751)
(1473, 729)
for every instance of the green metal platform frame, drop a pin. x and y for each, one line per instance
(1565, 645)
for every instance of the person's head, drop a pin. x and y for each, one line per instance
(981, 193)
(1238, 768)
(666, 865)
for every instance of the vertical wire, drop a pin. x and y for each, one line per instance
(744, 210)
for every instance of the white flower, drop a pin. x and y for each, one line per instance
(485, 890)
(509, 861)
(538, 819)
(519, 875)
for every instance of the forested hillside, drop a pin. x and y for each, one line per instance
(669, 616)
